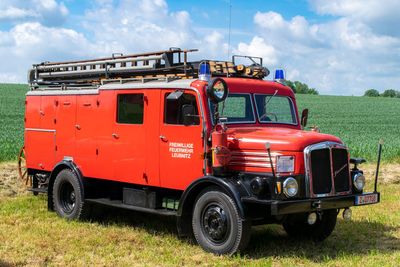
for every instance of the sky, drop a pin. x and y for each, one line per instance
(339, 47)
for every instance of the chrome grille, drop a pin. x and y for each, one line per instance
(327, 169)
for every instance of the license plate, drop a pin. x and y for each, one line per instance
(366, 199)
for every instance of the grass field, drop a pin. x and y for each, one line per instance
(30, 235)
(359, 121)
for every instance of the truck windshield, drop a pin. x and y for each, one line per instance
(238, 108)
(275, 109)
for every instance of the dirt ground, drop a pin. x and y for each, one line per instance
(11, 185)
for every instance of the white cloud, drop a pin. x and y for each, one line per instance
(31, 42)
(48, 12)
(14, 13)
(126, 26)
(133, 25)
(342, 56)
(258, 48)
(381, 16)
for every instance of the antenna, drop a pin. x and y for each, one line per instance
(229, 29)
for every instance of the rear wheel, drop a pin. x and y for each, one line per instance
(68, 196)
(296, 225)
(217, 225)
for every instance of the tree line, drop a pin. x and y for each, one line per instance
(301, 88)
(386, 93)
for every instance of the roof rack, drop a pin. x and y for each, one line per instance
(169, 64)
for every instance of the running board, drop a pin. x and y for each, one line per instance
(120, 204)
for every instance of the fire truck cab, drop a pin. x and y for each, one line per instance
(209, 142)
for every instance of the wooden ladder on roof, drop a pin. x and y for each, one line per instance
(170, 64)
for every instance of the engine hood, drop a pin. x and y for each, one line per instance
(281, 139)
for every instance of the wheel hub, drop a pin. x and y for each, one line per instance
(215, 223)
(67, 198)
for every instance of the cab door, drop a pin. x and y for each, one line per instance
(181, 142)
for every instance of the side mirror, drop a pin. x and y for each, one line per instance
(189, 115)
(304, 117)
(217, 90)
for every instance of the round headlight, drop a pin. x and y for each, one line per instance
(359, 181)
(290, 187)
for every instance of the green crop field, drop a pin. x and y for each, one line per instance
(359, 121)
(12, 97)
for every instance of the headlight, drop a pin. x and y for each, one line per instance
(359, 181)
(284, 164)
(290, 187)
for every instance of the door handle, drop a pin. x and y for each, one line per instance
(163, 138)
(77, 126)
(116, 136)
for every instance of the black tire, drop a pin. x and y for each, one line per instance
(68, 196)
(296, 225)
(217, 225)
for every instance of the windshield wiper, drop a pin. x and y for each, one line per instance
(265, 105)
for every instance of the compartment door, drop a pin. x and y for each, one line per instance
(129, 137)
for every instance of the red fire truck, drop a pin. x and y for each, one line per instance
(208, 142)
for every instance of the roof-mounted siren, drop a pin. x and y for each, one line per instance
(204, 71)
(279, 76)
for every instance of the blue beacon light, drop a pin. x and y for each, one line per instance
(279, 75)
(204, 72)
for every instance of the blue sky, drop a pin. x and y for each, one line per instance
(339, 47)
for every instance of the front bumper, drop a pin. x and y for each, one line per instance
(282, 207)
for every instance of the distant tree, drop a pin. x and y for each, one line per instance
(372, 93)
(389, 93)
(398, 94)
(301, 88)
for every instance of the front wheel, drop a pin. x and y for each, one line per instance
(296, 225)
(68, 196)
(217, 225)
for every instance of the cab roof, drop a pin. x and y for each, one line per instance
(243, 85)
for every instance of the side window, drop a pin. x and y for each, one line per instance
(181, 111)
(130, 108)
